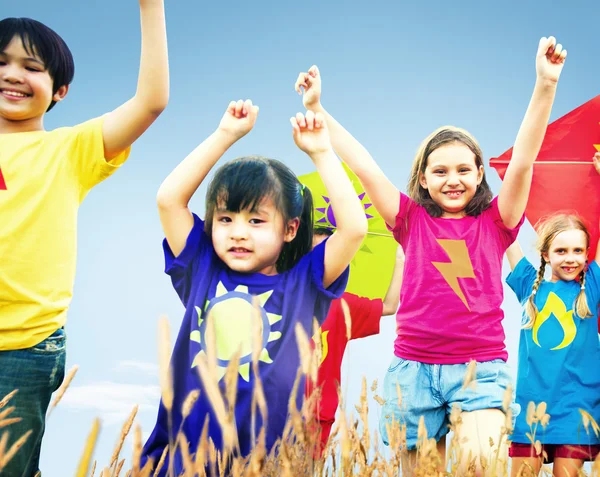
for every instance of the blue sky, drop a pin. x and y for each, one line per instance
(392, 72)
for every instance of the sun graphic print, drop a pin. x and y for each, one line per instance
(327, 218)
(231, 312)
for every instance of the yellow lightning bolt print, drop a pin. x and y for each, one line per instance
(460, 266)
(555, 306)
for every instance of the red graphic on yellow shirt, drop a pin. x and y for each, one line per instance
(2, 181)
(460, 265)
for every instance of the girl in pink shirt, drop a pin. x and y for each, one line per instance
(454, 236)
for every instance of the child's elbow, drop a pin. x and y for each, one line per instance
(158, 105)
(154, 104)
(164, 200)
(359, 229)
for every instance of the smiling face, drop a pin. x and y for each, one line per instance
(451, 177)
(567, 254)
(26, 89)
(251, 241)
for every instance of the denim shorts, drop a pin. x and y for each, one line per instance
(36, 372)
(430, 390)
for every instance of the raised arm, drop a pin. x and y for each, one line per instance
(384, 195)
(129, 121)
(178, 188)
(514, 192)
(311, 136)
(514, 253)
(597, 166)
(392, 297)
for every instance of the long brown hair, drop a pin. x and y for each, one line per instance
(438, 138)
(547, 231)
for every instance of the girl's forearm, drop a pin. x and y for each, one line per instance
(179, 187)
(349, 215)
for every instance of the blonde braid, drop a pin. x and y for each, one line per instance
(581, 305)
(530, 309)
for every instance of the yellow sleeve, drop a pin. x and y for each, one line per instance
(86, 151)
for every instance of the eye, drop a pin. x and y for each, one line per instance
(256, 221)
(2, 63)
(439, 171)
(33, 69)
(224, 219)
(465, 169)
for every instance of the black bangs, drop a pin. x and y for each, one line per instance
(43, 42)
(242, 184)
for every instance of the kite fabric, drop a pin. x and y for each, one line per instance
(564, 178)
(372, 267)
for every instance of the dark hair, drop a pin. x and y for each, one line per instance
(442, 137)
(43, 42)
(322, 231)
(243, 183)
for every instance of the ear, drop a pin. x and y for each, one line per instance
(291, 229)
(480, 175)
(422, 180)
(546, 257)
(61, 93)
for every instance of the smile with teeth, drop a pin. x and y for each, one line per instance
(454, 193)
(14, 94)
(239, 250)
(569, 269)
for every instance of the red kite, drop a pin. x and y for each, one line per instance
(564, 178)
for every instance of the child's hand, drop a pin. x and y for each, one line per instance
(239, 119)
(550, 59)
(311, 134)
(311, 82)
(597, 162)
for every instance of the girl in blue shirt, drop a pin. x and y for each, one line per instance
(559, 340)
(255, 243)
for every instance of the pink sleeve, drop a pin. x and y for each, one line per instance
(507, 236)
(407, 208)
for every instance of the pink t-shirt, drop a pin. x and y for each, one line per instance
(452, 288)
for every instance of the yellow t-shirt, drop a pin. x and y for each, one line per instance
(44, 176)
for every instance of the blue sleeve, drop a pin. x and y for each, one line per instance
(309, 272)
(521, 279)
(317, 268)
(182, 268)
(325, 295)
(592, 282)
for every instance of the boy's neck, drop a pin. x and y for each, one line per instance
(27, 125)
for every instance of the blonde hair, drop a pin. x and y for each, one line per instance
(438, 138)
(547, 231)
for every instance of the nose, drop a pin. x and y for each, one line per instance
(452, 179)
(12, 74)
(239, 231)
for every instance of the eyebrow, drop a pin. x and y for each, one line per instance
(27, 58)
(444, 166)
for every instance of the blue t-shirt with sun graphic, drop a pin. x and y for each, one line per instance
(206, 285)
(558, 357)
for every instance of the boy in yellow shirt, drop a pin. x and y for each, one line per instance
(44, 176)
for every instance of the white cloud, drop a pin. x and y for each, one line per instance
(149, 369)
(111, 401)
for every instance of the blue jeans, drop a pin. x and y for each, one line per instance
(430, 390)
(36, 372)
